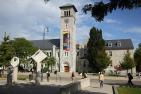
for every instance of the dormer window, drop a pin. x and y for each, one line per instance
(118, 44)
(110, 44)
(67, 13)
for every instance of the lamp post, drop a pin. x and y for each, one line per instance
(45, 30)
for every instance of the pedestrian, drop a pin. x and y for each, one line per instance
(139, 75)
(72, 76)
(48, 75)
(55, 72)
(84, 75)
(130, 77)
(101, 79)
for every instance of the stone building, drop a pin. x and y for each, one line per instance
(116, 49)
(63, 49)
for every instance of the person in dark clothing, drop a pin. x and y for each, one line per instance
(72, 76)
(48, 75)
(55, 72)
(130, 77)
(84, 75)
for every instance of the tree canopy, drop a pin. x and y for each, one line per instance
(100, 9)
(23, 47)
(7, 51)
(137, 58)
(19, 47)
(97, 57)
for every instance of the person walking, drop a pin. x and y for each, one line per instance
(130, 77)
(55, 72)
(101, 79)
(72, 76)
(84, 75)
(48, 75)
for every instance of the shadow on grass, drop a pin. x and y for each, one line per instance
(29, 89)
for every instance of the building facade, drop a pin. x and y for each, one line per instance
(68, 38)
(117, 49)
(71, 57)
(63, 49)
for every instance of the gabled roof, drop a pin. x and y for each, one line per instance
(125, 44)
(46, 44)
(68, 6)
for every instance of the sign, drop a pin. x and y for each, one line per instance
(14, 61)
(39, 56)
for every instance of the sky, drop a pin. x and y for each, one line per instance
(28, 18)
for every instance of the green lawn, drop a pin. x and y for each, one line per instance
(128, 90)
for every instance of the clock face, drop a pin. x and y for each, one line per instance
(66, 20)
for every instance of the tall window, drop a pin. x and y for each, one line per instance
(66, 53)
(58, 54)
(77, 53)
(50, 54)
(118, 44)
(67, 13)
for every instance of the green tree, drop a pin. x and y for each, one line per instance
(23, 48)
(6, 51)
(137, 58)
(97, 57)
(51, 62)
(128, 62)
(100, 9)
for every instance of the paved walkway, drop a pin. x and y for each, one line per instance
(95, 89)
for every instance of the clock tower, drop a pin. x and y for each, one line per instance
(68, 38)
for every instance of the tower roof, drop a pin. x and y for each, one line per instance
(68, 6)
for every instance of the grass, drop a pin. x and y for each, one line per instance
(22, 77)
(128, 90)
(2, 78)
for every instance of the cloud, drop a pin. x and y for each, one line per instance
(111, 21)
(134, 30)
(27, 18)
(82, 34)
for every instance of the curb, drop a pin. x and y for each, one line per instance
(115, 91)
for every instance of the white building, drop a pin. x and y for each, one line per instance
(63, 49)
(117, 49)
(68, 38)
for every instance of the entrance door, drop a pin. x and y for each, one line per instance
(66, 68)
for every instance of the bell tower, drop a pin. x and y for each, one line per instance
(68, 38)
